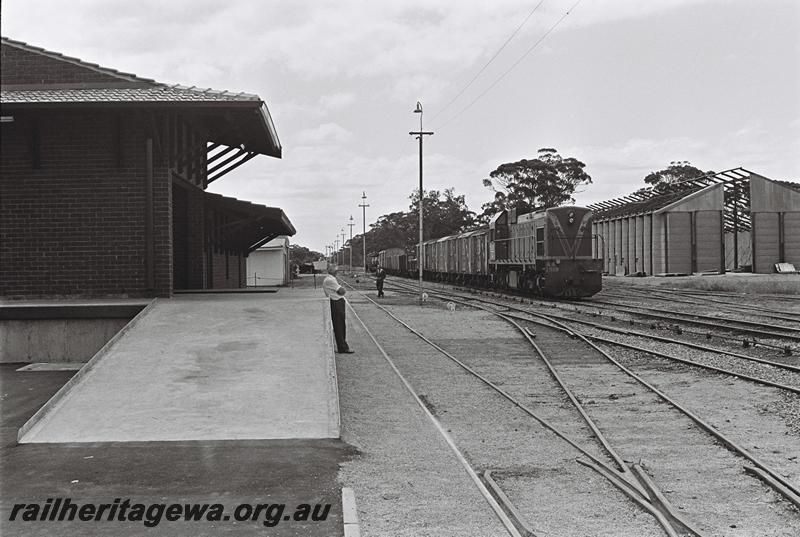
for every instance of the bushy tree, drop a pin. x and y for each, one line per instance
(532, 184)
(445, 213)
(299, 255)
(677, 171)
(390, 230)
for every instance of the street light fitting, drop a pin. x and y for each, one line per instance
(418, 110)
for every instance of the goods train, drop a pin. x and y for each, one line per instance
(547, 252)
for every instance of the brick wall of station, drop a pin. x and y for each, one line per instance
(72, 207)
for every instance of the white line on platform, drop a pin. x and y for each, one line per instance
(350, 513)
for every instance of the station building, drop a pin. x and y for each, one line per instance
(732, 220)
(103, 181)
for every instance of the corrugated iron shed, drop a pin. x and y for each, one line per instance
(706, 223)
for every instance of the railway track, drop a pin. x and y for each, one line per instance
(750, 368)
(754, 328)
(577, 378)
(736, 363)
(708, 302)
(744, 331)
(736, 298)
(784, 341)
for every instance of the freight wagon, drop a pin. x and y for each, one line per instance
(547, 252)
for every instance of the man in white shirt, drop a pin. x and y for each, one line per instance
(335, 293)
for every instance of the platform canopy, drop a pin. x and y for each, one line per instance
(249, 225)
(240, 121)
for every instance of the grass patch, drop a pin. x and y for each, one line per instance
(775, 284)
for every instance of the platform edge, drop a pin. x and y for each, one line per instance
(59, 396)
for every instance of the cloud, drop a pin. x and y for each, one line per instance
(337, 101)
(619, 169)
(341, 78)
(327, 133)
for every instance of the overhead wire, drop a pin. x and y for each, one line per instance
(482, 69)
(513, 66)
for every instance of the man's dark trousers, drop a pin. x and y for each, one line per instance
(339, 328)
(380, 287)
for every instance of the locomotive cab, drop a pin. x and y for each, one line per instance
(547, 252)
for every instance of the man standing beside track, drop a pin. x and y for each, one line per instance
(335, 293)
(380, 275)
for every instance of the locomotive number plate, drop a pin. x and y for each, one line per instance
(552, 269)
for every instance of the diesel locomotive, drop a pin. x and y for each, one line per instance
(547, 253)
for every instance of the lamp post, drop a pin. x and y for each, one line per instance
(364, 233)
(336, 250)
(419, 135)
(351, 224)
(343, 243)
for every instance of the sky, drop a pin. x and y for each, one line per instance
(625, 86)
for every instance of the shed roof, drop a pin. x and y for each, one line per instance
(736, 198)
(278, 243)
(255, 225)
(234, 119)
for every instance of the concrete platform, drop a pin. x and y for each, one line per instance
(205, 367)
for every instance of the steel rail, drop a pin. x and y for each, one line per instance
(653, 352)
(498, 510)
(625, 481)
(785, 348)
(704, 320)
(674, 358)
(689, 344)
(657, 294)
(711, 297)
(506, 502)
(786, 487)
(705, 292)
(629, 483)
(578, 406)
(644, 335)
(730, 444)
(492, 385)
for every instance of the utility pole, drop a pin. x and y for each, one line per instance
(419, 135)
(351, 224)
(336, 250)
(364, 234)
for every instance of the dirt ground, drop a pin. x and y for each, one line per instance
(553, 496)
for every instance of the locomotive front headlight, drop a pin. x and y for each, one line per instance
(571, 217)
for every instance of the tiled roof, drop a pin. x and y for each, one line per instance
(227, 115)
(158, 93)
